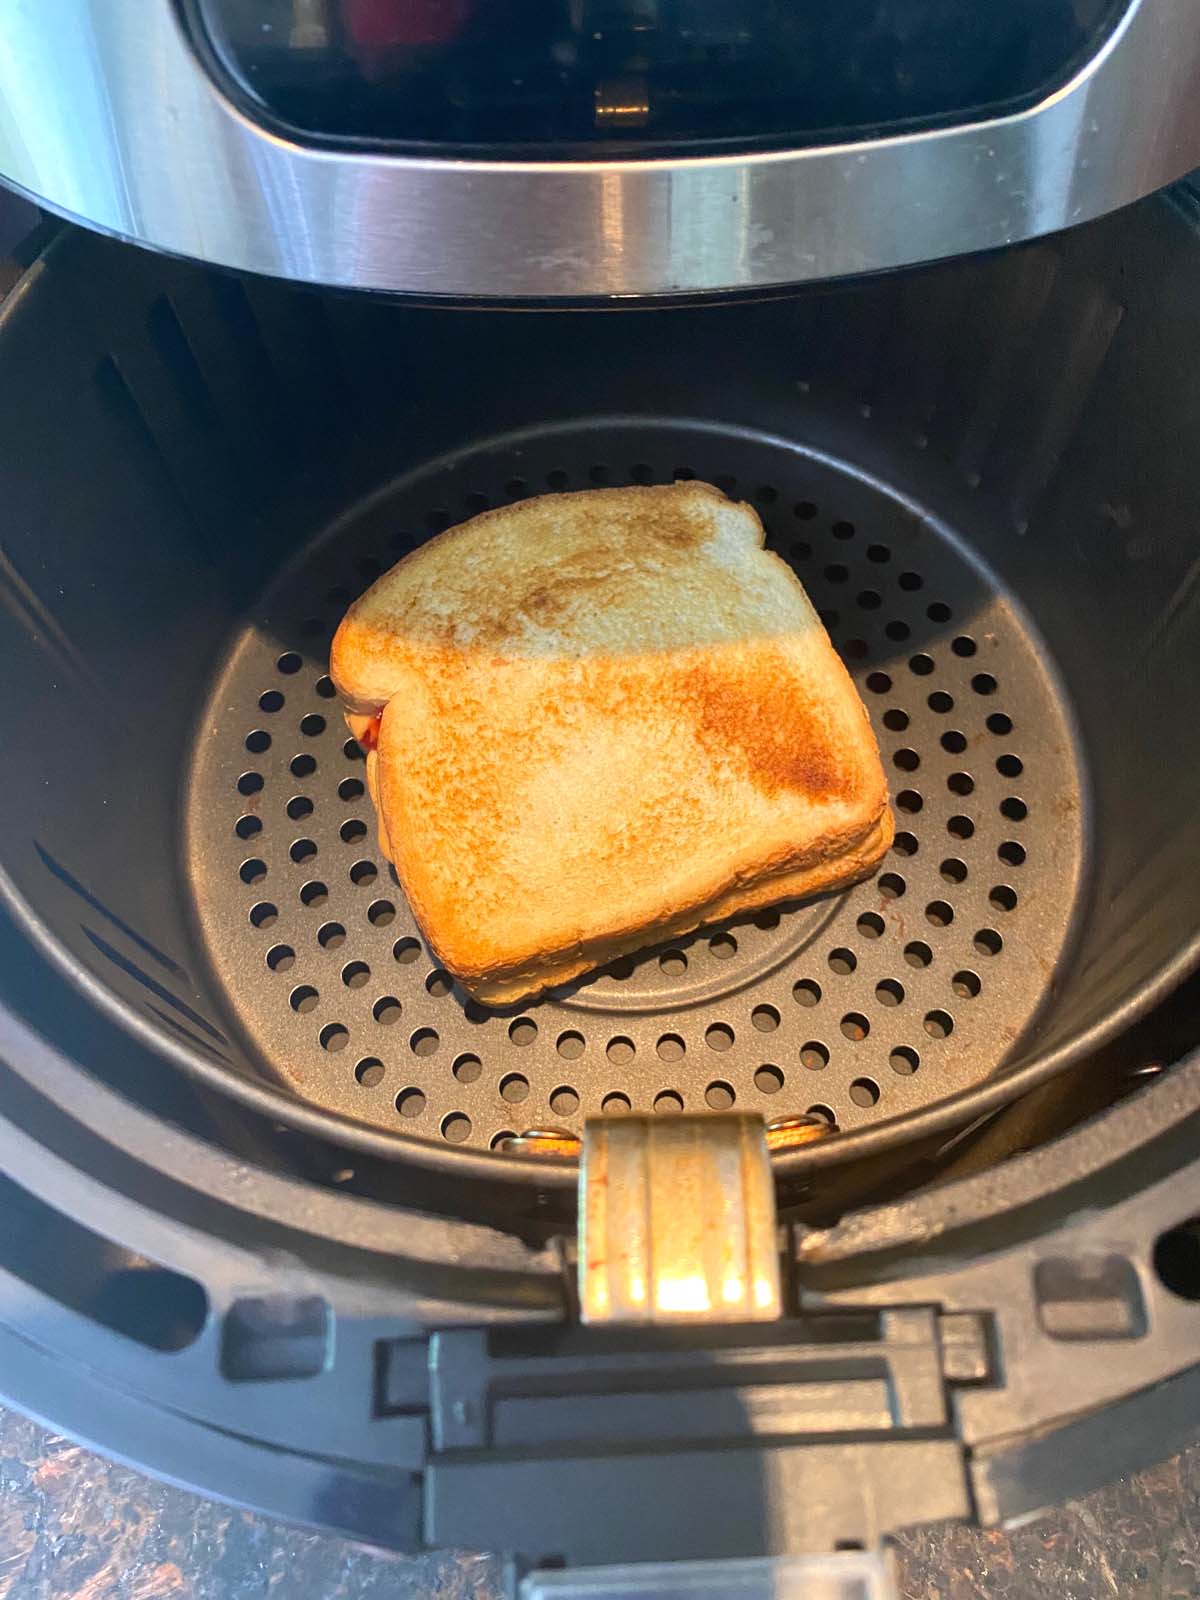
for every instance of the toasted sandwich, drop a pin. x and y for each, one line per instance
(596, 721)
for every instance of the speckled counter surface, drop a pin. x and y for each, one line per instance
(76, 1527)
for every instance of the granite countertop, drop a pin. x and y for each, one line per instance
(76, 1527)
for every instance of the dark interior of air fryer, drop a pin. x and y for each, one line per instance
(980, 472)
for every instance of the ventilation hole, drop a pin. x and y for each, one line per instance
(939, 914)
(805, 510)
(642, 472)
(250, 783)
(984, 683)
(406, 951)
(719, 1096)
(369, 1072)
(312, 725)
(719, 1036)
(325, 688)
(299, 807)
(621, 968)
(723, 946)
(682, 474)
(800, 550)
(825, 1114)
(264, 914)
(960, 827)
(252, 871)
(842, 961)
(334, 1037)
(410, 1103)
(766, 920)
(1002, 898)
(765, 1018)
(939, 611)
(439, 983)
(907, 760)
(918, 953)
(897, 631)
(988, 942)
(248, 827)
(281, 958)
(939, 1024)
(855, 1026)
(475, 1013)
(966, 984)
(1177, 1259)
(940, 701)
(768, 1080)
(836, 573)
(670, 1047)
(303, 998)
(892, 886)
(272, 700)
(499, 1140)
(353, 751)
(905, 844)
(619, 1051)
(616, 1104)
(387, 1010)
(302, 850)
(353, 831)
(667, 1102)
(1009, 766)
(870, 925)
(363, 872)
(878, 553)
(467, 1069)
(855, 649)
(904, 1060)
(570, 1046)
(523, 1031)
(910, 801)
(673, 963)
(355, 974)
(1015, 810)
(889, 992)
(258, 741)
(456, 1127)
(314, 894)
(598, 473)
(515, 488)
(878, 682)
(895, 721)
(302, 766)
(999, 724)
(964, 646)
(921, 664)
(953, 870)
(424, 1042)
(331, 936)
(1011, 852)
(564, 1102)
(514, 1088)
(814, 1055)
(806, 992)
(380, 913)
(864, 1092)
(843, 530)
(911, 581)
(350, 789)
(289, 662)
(557, 480)
(870, 599)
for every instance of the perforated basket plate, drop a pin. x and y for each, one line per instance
(864, 1004)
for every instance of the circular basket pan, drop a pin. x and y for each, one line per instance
(861, 1006)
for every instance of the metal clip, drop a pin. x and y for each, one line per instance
(677, 1221)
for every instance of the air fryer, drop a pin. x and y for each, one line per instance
(274, 1224)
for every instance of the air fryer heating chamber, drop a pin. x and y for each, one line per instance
(979, 472)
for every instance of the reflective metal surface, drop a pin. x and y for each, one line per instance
(107, 116)
(677, 1221)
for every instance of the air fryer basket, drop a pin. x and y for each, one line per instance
(977, 471)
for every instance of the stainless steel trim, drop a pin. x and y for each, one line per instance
(107, 116)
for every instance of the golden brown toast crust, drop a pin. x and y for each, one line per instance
(609, 717)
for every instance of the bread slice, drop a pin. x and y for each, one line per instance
(607, 718)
